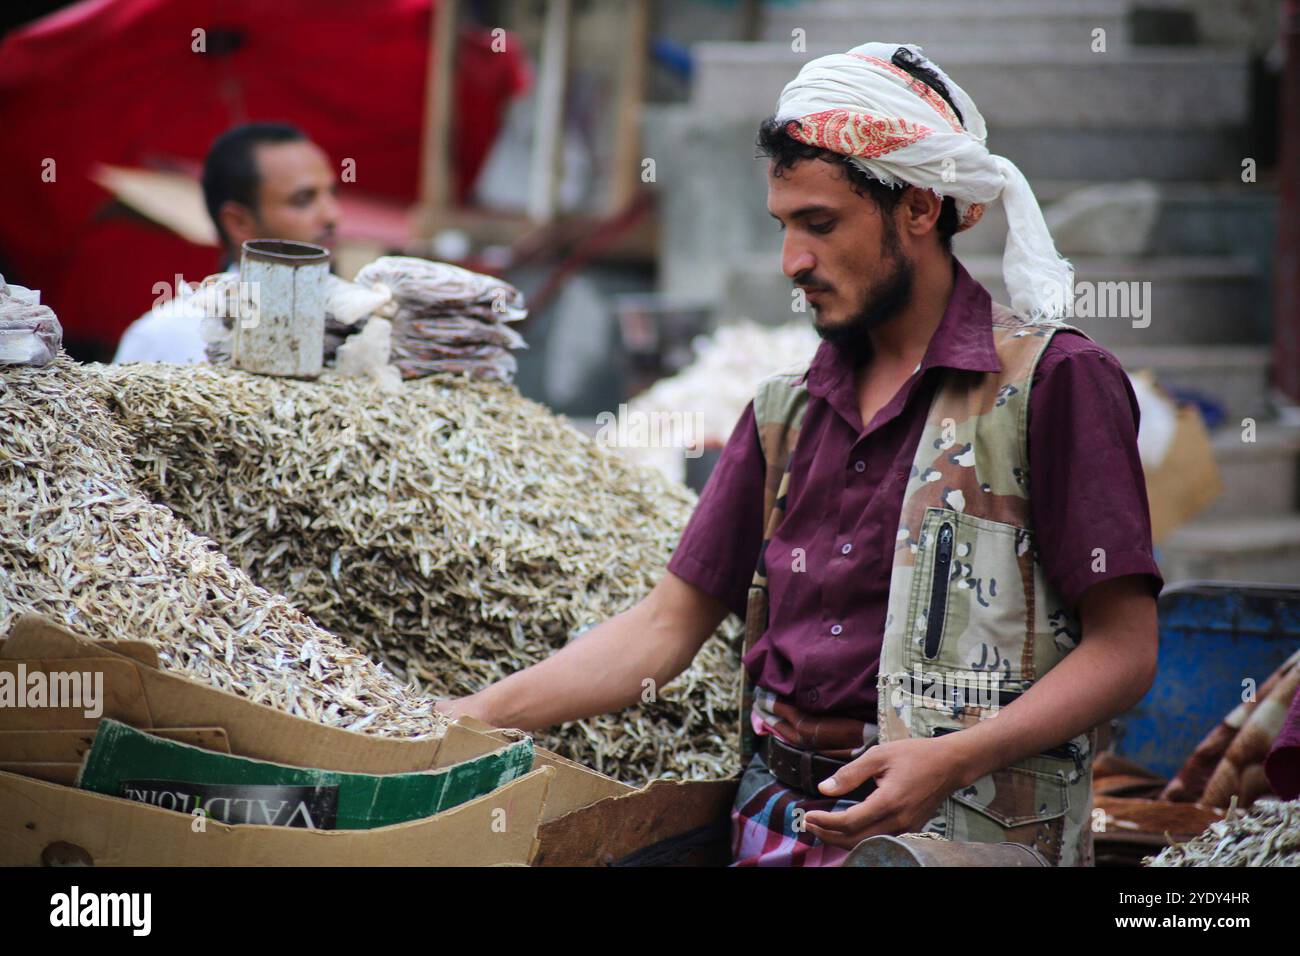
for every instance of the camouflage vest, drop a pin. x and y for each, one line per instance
(971, 621)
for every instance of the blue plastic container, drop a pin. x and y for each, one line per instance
(1213, 637)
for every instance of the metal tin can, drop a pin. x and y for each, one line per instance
(281, 326)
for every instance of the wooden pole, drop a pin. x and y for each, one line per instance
(751, 20)
(439, 90)
(626, 172)
(548, 134)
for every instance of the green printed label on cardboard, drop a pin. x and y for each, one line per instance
(123, 757)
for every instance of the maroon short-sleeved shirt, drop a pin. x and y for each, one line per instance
(821, 651)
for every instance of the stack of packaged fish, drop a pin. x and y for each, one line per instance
(448, 319)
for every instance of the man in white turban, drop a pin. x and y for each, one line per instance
(877, 158)
(872, 519)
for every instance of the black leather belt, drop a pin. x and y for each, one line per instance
(804, 769)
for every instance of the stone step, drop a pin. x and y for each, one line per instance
(1186, 300)
(713, 206)
(1264, 549)
(1233, 376)
(1146, 89)
(712, 195)
(1130, 152)
(944, 27)
(1259, 477)
(1198, 219)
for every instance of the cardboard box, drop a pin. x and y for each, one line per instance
(585, 818)
(71, 746)
(47, 824)
(139, 694)
(43, 822)
(1185, 481)
(56, 755)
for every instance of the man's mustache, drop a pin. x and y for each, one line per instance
(809, 283)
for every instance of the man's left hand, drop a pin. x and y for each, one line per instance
(913, 777)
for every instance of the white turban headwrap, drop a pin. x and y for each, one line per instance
(895, 128)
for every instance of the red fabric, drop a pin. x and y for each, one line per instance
(1282, 765)
(116, 81)
(1088, 492)
(98, 269)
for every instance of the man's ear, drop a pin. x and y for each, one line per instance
(238, 222)
(921, 209)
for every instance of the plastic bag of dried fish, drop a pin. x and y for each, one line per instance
(448, 318)
(80, 543)
(348, 308)
(427, 287)
(30, 333)
(1268, 834)
(347, 303)
(217, 297)
(456, 532)
(715, 388)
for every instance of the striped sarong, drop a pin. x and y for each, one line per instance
(764, 818)
(767, 815)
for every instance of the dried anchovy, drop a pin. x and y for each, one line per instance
(1268, 834)
(455, 532)
(79, 542)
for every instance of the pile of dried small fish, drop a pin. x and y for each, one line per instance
(80, 543)
(1268, 834)
(455, 531)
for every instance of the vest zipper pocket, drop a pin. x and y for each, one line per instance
(938, 591)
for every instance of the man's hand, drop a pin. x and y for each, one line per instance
(912, 777)
(1110, 670)
(469, 706)
(453, 707)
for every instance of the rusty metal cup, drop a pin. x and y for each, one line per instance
(281, 326)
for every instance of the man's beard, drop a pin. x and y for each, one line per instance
(884, 301)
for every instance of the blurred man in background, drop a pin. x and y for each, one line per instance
(260, 181)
